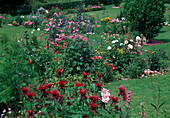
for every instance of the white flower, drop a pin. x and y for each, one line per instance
(46, 11)
(123, 18)
(22, 16)
(109, 47)
(32, 32)
(114, 41)
(139, 46)
(126, 42)
(130, 46)
(131, 40)
(121, 44)
(38, 29)
(138, 38)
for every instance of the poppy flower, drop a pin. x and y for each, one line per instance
(54, 59)
(85, 75)
(61, 83)
(30, 95)
(62, 46)
(30, 113)
(59, 72)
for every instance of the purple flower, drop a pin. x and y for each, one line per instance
(94, 42)
(4, 110)
(2, 115)
(81, 58)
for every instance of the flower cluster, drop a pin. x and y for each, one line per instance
(105, 95)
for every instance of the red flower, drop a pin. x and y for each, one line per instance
(49, 85)
(110, 58)
(93, 98)
(99, 75)
(43, 18)
(59, 72)
(45, 47)
(30, 51)
(29, 61)
(114, 99)
(85, 75)
(82, 93)
(112, 66)
(62, 46)
(99, 57)
(55, 94)
(24, 90)
(65, 43)
(93, 107)
(106, 63)
(30, 95)
(54, 59)
(78, 84)
(95, 57)
(42, 87)
(168, 20)
(122, 92)
(95, 25)
(55, 44)
(61, 83)
(30, 113)
(99, 86)
(56, 52)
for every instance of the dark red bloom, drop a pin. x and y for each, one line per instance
(99, 75)
(93, 98)
(49, 85)
(99, 86)
(42, 87)
(30, 113)
(61, 83)
(30, 95)
(78, 84)
(82, 93)
(30, 51)
(54, 59)
(93, 107)
(55, 94)
(24, 90)
(29, 61)
(85, 75)
(45, 46)
(48, 92)
(68, 104)
(114, 99)
(59, 72)
(55, 44)
(110, 58)
(122, 92)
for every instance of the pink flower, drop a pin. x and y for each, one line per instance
(38, 38)
(141, 103)
(146, 51)
(41, 34)
(47, 29)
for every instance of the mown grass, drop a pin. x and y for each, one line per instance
(141, 88)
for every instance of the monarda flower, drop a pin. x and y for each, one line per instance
(82, 93)
(24, 90)
(99, 75)
(30, 95)
(30, 113)
(59, 72)
(122, 92)
(78, 84)
(93, 98)
(99, 86)
(42, 87)
(85, 75)
(61, 83)
(114, 99)
(93, 107)
(55, 94)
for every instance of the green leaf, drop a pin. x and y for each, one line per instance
(154, 106)
(161, 104)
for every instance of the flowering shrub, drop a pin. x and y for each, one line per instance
(28, 24)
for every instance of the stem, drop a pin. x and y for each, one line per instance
(153, 90)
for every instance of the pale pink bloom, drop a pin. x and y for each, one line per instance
(52, 43)
(47, 29)
(146, 51)
(141, 103)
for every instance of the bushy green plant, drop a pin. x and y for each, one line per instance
(145, 16)
(117, 2)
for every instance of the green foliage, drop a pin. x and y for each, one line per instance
(145, 16)
(77, 57)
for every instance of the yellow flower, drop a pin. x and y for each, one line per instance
(95, 50)
(153, 51)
